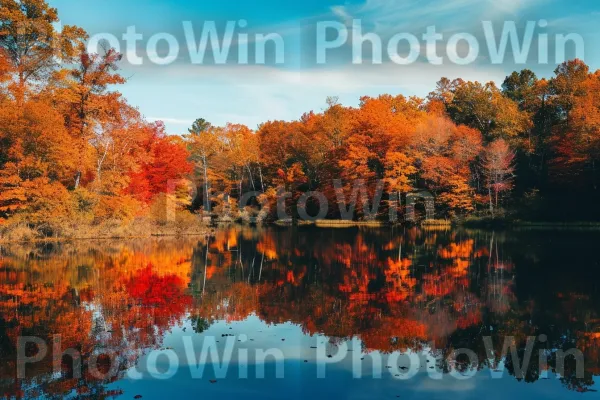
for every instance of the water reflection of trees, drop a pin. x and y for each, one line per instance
(394, 289)
(96, 297)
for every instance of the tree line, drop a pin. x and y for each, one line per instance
(527, 149)
(73, 150)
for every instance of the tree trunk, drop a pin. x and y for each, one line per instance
(491, 204)
(100, 163)
(496, 193)
(251, 177)
(77, 179)
(262, 185)
(20, 96)
(206, 194)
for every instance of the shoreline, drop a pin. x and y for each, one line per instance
(64, 239)
(331, 224)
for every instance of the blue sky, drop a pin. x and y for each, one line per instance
(250, 94)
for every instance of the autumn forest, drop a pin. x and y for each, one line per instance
(457, 228)
(75, 154)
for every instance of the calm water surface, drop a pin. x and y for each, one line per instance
(390, 305)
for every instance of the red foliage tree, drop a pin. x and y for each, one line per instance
(168, 163)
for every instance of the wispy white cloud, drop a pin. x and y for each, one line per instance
(341, 13)
(254, 94)
(514, 6)
(169, 120)
(391, 15)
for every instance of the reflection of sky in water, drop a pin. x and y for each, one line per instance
(300, 378)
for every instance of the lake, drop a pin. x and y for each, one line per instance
(261, 313)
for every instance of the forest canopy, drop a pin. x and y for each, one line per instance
(74, 153)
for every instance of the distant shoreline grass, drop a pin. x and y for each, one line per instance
(437, 222)
(59, 239)
(141, 228)
(145, 230)
(331, 223)
(343, 223)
